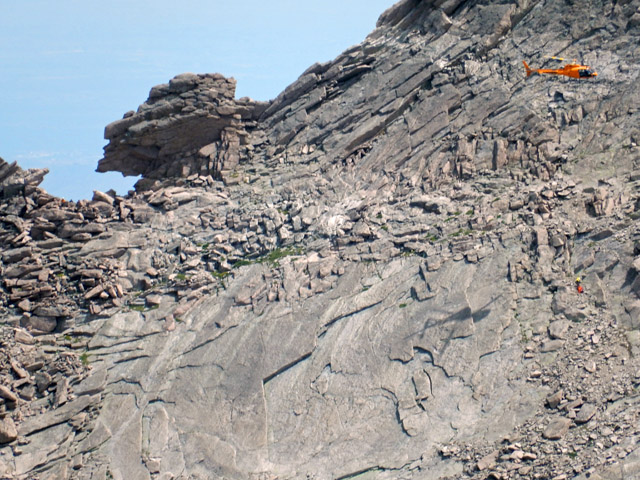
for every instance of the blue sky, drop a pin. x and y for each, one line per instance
(70, 67)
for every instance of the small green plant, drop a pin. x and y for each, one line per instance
(572, 455)
(385, 227)
(220, 275)
(402, 305)
(470, 212)
(273, 256)
(461, 232)
(181, 276)
(205, 246)
(524, 333)
(379, 216)
(60, 275)
(84, 358)
(432, 238)
(524, 338)
(137, 308)
(67, 337)
(365, 288)
(241, 263)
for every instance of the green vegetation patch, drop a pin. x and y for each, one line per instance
(273, 256)
(242, 263)
(220, 275)
(84, 358)
(462, 232)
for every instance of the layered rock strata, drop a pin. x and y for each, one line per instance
(382, 286)
(192, 125)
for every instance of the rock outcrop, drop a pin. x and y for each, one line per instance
(370, 276)
(192, 125)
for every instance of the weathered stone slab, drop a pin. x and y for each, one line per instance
(8, 432)
(43, 448)
(557, 428)
(586, 413)
(57, 416)
(93, 384)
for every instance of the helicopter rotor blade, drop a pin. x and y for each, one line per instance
(561, 59)
(558, 59)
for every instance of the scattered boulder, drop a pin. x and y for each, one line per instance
(557, 428)
(8, 432)
(558, 329)
(585, 413)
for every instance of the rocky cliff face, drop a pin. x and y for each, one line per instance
(370, 276)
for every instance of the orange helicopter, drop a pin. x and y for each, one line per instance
(573, 70)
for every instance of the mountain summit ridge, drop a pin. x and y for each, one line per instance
(371, 276)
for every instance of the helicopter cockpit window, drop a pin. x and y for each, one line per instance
(585, 73)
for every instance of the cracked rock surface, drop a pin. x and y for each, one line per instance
(371, 276)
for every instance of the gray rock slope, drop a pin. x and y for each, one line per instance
(371, 276)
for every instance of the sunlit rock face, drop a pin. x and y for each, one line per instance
(374, 275)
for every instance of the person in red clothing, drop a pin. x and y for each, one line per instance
(579, 286)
